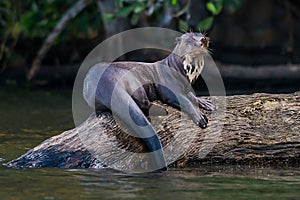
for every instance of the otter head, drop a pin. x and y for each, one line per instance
(192, 47)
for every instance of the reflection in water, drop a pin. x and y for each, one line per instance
(207, 182)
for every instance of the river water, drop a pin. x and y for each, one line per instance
(28, 117)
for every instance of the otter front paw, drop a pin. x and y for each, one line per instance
(206, 104)
(202, 121)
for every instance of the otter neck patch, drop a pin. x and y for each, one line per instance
(193, 67)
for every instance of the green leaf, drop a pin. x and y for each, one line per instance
(125, 11)
(211, 7)
(27, 20)
(139, 8)
(215, 7)
(219, 6)
(206, 23)
(183, 25)
(134, 19)
(173, 2)
(108, 15)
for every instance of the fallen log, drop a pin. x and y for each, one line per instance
(259, 129)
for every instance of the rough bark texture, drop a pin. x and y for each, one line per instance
(259, 129)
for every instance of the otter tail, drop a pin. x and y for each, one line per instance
(126, 109)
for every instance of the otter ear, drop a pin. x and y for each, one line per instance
(178, 39)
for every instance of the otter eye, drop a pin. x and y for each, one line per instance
(195, 38)
(195, 41)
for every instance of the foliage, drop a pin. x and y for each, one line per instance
(31, 19)
(8, 27)
(34, 18)
(135, 9)
(215, 7)
(38, 18)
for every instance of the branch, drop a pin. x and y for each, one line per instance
(70, 14)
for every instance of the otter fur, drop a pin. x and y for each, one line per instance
(128, 89)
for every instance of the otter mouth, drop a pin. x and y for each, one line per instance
(201, 47)
(199, 52)
(202, 43)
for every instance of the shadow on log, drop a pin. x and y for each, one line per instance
(259, 129)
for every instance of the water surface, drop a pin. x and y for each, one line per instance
(27, 117)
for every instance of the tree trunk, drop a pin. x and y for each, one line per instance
(259, 129)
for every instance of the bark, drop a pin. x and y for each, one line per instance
(259, 129)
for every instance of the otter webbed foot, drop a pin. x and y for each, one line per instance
(205, 104)
(191, 109)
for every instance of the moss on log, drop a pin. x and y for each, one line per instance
(259, 129)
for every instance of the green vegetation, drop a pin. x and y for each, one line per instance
(33, 19)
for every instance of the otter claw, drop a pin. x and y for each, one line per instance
(205, 118)
(202, 123)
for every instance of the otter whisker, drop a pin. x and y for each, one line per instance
(210, 51)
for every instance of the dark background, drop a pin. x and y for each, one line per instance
(247, 36)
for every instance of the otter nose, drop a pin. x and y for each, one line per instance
(204, 41)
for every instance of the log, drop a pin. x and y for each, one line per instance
(259, 129)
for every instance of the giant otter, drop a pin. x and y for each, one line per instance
(129, 88)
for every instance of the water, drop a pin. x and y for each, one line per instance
(174, 184)
(29, 117)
